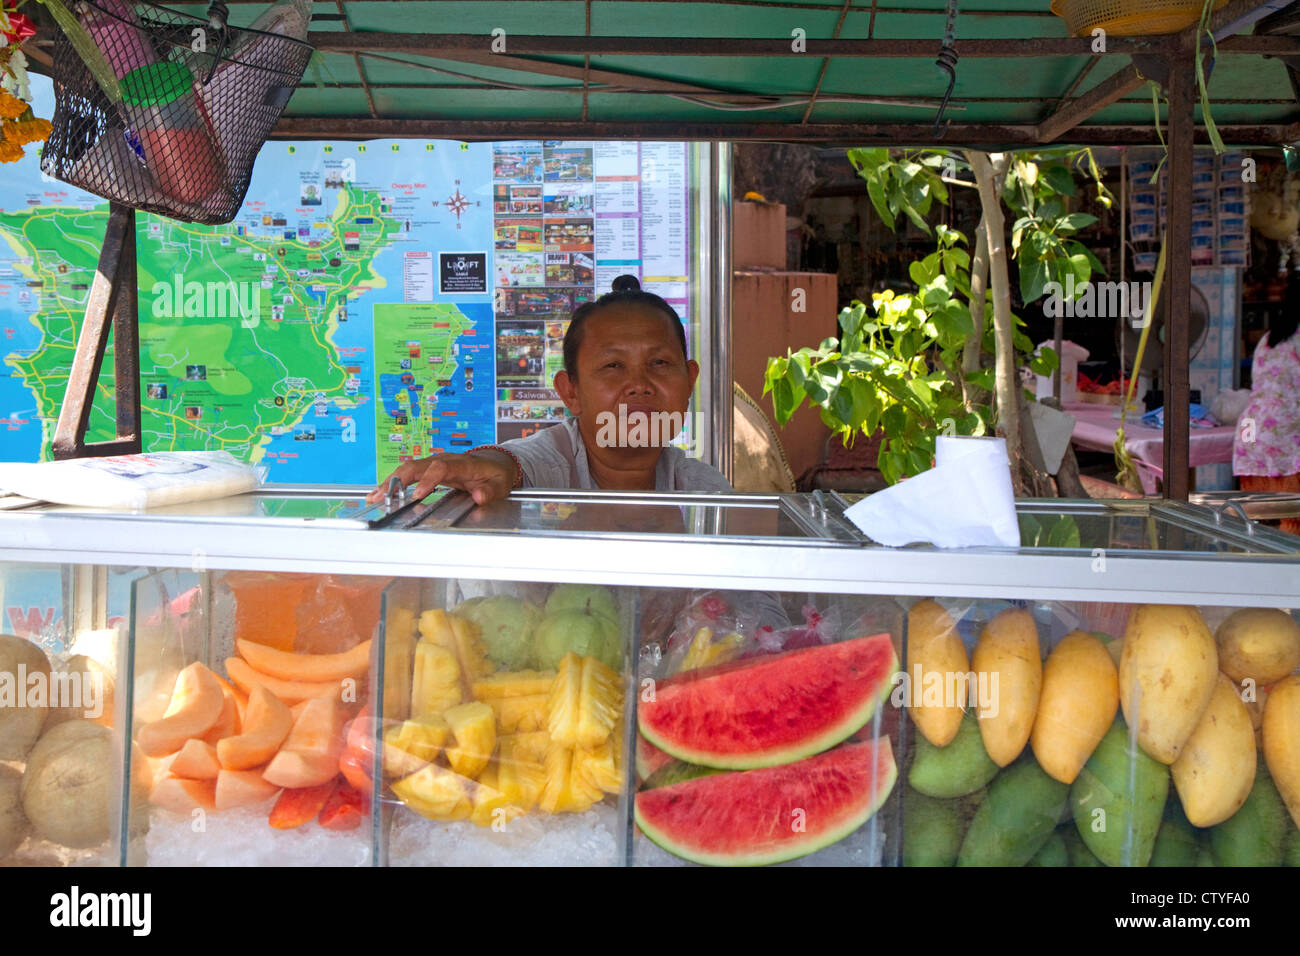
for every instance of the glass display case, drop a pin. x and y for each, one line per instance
(587, 678)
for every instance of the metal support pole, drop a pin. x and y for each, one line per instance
(720, 321)
(1178, 277)
(112, 305)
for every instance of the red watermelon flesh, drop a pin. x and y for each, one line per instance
(757, 817)
(649, 758)
(772, 710)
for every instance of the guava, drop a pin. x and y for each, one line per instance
(506, 625)
(588, 598)
(588, 635)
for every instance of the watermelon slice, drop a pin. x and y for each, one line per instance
(778, 709)
(756, 817)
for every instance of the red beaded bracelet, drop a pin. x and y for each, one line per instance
(519, 469)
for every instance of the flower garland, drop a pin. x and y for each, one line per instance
(18, 125)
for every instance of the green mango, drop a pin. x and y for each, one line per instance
(1204, 857)
(1177, 843)
(1016, 818)
(1119, 825)
(677, 771)
(962, 767)
(1256, 834)
(1292, 857)
(1080, 855)
(1053, 853)
(932, 830)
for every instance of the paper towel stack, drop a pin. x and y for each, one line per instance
(964, 501)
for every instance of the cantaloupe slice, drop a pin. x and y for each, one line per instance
(183, 796)
(310, 754)
(241, 698)
(315, 668)
(267, 723)
(196, 705)
(197, 760)
(247, 677)
(227, 724)
(242, 788)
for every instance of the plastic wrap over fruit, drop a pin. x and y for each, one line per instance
(713, 628)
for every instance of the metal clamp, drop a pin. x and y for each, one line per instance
(1232, 505)
(395, 497)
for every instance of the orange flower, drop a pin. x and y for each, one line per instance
(10, 152)
(11, 107)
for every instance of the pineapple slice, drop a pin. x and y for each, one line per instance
(436, 683)
(602, 766)
(530, 747)
(513, 684)
(564, 792)
(490, 804)
(699, 649)
(706, 650)
(585, 702)
(436, 793)
(520, 714)
(474, 727)
(520, 780)
(469, 650)
(410, 745)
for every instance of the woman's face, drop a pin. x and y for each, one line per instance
(630, 356)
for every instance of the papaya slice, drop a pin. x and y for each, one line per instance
(268, 723)
(309, 756)
(196, 705)
(298, 805)
(183, 796)
(246, 677)
(343, 809)
(313, 668)
(355, 768)
(227, 724)
(197, 760)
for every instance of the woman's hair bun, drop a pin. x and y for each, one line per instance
(626, 283)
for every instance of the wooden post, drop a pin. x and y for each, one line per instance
(1177, 290)
(111, 306)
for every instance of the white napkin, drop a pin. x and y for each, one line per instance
(964, 501)
(130, 481)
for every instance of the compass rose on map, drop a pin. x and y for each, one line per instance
(458, 203)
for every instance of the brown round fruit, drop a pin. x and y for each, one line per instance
(1260, 644)
(68, 787)
(13, 822)
(85, 686)
(20, 722)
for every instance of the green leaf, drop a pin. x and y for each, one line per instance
(1033, 278)
(984, 378)
(1076, 221)
(914, 215)
(877, 194)
(1063, 533)
(1082, 270)
(924, 271)
(1059, 179)
(894, 421)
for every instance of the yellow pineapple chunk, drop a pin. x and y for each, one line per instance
(513, 684)
(435, 627)
(520, 780)
(408, 746)
(469, 650)
(584, 703)
(696, 653)
(602, 766)
(436, 793)
(474, 727)
(491, 805)
(436, 682)
(564, 792)
(531, 747)
(520, 714)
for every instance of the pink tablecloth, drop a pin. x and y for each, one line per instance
(1095, 427)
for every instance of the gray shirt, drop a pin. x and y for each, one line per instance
(547, 463)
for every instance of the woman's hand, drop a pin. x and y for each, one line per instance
(487, 476)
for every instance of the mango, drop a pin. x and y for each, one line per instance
(934, 647)
(1118, 800)
(932, 830)
(1053, 853)
(1280, 730)
(1078, 703)
(1215, 771)
(1204, 857)
(1008, 657)
(1167, 673)
(1256, 834)
(1260, 644)
(1292, 855)
(1177, 842)
(1016, 819)
(1079, 853)
(960, 768)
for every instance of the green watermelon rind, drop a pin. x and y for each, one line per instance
(789, 851)
(810, 746)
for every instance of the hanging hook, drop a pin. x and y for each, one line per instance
(217, 16)
(947, 62)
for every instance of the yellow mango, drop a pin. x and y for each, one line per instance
(1281, 732)
(1077, 706)
(1216, 769)
(1167, 673)
(1009, 661)
(934, 647)
(1260, 644)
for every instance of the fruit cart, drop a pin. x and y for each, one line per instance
(645, 679)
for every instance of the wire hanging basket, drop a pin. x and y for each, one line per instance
(171, 116)
(1129, 17)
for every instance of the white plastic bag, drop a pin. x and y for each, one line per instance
(131, 481)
